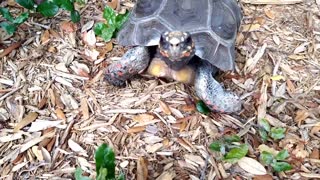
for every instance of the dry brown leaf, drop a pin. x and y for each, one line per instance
(11, 3)
(68, 26)
(136, 129)
(310, 175)
(84, 108)
(263, 177)
(57, 99)
(37, 152)
(60, 114)
(269, 13)
(141, 118)
(297, 57)
(35, 141)
(250, 27)
(252, 62)
(97, 77)
(108, 47)
(184, 144)
(142, 169)
(164, 107)
(210, 128)
(154, 148)
(167, 175)
(45, 37)
(315, 131)
(42, 103)
(301, 116)
(262, 107)
(10, 49)
(26, 121)
(113, 3)
(260, 20)
(290, 87)
(315, 154)
(252, 166)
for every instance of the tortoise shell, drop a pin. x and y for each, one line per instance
(213, 25)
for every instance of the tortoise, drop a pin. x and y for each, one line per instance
(183, 40)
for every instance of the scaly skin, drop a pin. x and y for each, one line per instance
(212, 93)
(134, 62)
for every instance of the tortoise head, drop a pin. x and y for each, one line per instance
(177, 46)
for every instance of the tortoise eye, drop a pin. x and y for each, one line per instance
(188, 40)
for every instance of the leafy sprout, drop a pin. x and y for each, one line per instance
(113, 24)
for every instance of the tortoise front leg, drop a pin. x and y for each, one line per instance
(212, 93)
(133, 62)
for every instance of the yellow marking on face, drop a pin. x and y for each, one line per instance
(185, 75)
(157, 68)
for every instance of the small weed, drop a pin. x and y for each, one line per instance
(114, 23)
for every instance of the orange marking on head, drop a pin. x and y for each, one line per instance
(120, 73)
(163, 53)
(118, 65)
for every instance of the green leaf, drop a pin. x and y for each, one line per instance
(105, 158)
(21, 18)
(75, 16)
(6, 14)
(78, 175)
(28, 4)
(121, 19)
(48, 8)
(109, 15)
(263, 134)
(103, 174)
(266, 157)
(64, 4)
(277, 133)
(104, 31)
(121, 176)
(8, 27)
(107, 33)
(282, 155)
(236, 153)
(216, 146)
(264, 124)
(98, 28)
(202, 107)
(281, 166)
(231, 139)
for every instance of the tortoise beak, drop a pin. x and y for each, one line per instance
(175, 53)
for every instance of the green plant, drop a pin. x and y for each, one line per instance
(12, 23)
(114, 23)
(47, 8)
(266, 131)
(105, 165)
(276, 162)
(202, 107)
(230, 148)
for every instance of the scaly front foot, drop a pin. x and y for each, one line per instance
(133, 62)
(212, 93)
